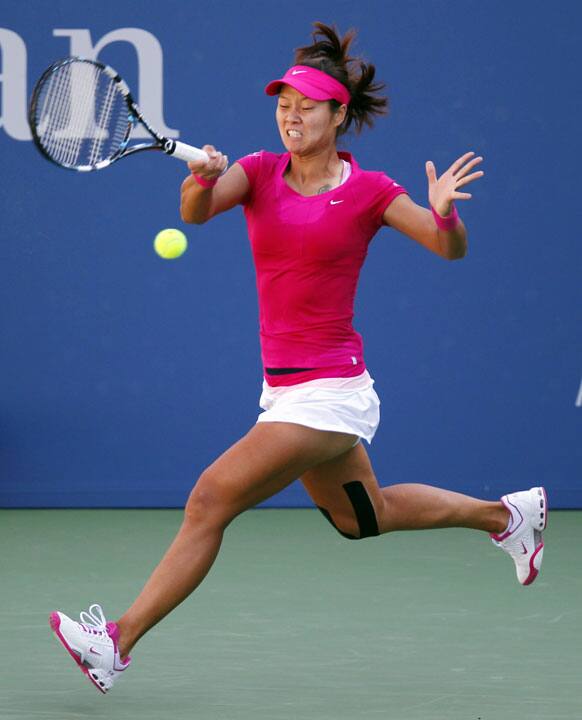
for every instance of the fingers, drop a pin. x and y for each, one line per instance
(468, 178)
(431, 172)
(196, 166)
(217, 162)
(461, 172)
(216, 165)
(459, 162)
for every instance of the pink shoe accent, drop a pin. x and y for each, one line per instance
(55, 623)
(499, 538)
(512, 523)
(533, 571)
(113, 632)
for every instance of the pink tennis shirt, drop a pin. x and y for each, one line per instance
(308, 253)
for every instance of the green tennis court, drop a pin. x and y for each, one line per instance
(295, 622)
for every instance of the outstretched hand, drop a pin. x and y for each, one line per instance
(443, 191)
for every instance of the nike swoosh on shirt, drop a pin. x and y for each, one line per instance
(335, 202)
(297, 72)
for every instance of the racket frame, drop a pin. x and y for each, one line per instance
(179, 150)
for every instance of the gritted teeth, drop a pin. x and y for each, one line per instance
(293, 133)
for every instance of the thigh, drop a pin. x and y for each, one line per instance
(270, 457)
(326, 483)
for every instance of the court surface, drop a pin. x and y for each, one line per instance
(294, 622)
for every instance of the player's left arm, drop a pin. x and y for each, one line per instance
(419, 223)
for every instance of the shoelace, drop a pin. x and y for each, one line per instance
(94, 620)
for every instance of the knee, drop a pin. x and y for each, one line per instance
(205, 503)
(346, 526)
(362, 521)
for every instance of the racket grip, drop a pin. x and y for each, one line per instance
(184, 152)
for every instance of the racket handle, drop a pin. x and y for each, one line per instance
(181, 151)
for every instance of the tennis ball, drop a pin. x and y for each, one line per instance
(170, 243)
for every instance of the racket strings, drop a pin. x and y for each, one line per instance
(104, 115)
(69, 139)
(56, 115)
(52, 99)
(81, 117)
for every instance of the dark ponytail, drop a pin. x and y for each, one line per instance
(329, 53)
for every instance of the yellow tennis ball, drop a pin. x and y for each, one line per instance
(170, 243)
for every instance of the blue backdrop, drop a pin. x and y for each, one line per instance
(123, 376)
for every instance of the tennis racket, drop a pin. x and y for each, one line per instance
(81, 116)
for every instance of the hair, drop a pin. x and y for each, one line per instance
(329, 53)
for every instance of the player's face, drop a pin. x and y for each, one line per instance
(306, 125)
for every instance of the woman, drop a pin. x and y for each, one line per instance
(311, 214)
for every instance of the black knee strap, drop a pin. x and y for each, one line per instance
(363, 508)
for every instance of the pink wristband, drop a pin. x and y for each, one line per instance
(205, 182)
(449, 222)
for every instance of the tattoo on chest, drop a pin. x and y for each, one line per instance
(324, 189)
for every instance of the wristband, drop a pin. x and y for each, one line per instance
(205, 182)
(449, 222)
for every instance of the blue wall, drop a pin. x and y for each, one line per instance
(123, 376)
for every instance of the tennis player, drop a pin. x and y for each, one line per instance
(311, 214)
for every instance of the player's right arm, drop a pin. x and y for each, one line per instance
(198, 203)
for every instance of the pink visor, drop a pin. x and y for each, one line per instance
(312, 83)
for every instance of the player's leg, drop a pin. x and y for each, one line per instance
(266, 460)
(346, 490)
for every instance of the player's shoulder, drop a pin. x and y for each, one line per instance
(370, 178)
(260, 167)
(377, 178)
(263, 156)
(377, 184)
(260, 164)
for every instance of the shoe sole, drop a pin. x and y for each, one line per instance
(55, 624)
(533, 570)
(545, 507)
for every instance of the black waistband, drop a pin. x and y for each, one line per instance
(285, 371)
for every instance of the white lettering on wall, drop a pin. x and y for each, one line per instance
(13, 85)
(150, 69)
(81, 119)
(150, 62)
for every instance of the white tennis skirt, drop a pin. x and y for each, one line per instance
(347, 405)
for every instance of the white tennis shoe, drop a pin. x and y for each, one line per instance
(92, 643)
(523, 538)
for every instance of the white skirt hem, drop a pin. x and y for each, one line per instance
(352, 408)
